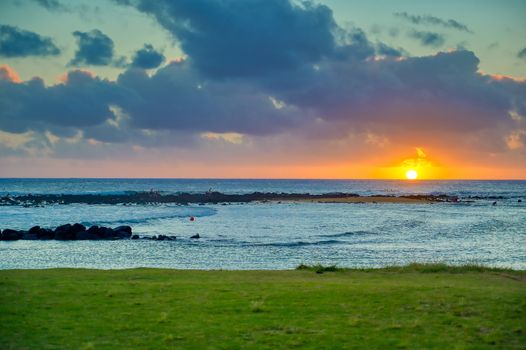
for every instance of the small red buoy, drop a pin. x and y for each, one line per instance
(192, 218)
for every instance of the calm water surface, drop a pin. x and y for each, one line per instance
(276, 235)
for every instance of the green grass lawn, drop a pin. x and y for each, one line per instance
(412, 307)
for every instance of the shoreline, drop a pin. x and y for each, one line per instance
(413, 267)
(209, 197)
(373, 200)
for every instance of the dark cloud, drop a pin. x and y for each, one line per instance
(80, 101)
(346, 85)
(493, 45)
(428, 38)
(386, 50)
(52, 5)
(246, 38)
(16, 42)
(86, 11)
(437, 99)
(147, 58)
(354, 45)
(522, 53)
(432, 20)
(94, 49)
(178, 97)
(430, 96)
(175, 98)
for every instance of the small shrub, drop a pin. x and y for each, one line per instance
(302, 267)
(434, 267)
(440, 267)
(318, 268)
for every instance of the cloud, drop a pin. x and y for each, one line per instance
(52, 5)
(428, 38)
(432, 98)
(178, 97)
(16, 42)
(515, 140)
(140, 108)
(8, 74)
(419, 162)
(386, 50)
(147, 58)
(88, 12)
(230, 137)
(432, 20)
(522, 53)
(438, 101)
(94, 49)
(82, 101)
(352, 87)
(240, 38)
(353, 45)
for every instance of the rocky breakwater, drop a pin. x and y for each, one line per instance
(68, 232)
(157, 198)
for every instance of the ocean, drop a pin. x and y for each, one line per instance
(272, 235)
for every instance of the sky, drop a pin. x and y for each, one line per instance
(263, 89)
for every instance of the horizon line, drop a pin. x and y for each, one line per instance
(257, 178)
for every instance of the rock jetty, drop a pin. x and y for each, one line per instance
(79, 232)
(68, 232)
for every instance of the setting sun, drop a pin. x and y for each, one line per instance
(411, 174)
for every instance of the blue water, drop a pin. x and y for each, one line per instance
(276, 235)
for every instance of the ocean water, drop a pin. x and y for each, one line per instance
(276, 235)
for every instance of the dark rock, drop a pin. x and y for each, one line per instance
(125, 228)
(29, 236)
(10, 235)
(72, 232)
(95, 230)
(106, 233)
(164, 238)
(196, 236)
(34, 230)
(135, 237)
(87, 235)
(122, 232)
(45, 233)
(78, 228)
(121, 235)
(64, 232)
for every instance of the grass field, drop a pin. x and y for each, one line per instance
(419, 306)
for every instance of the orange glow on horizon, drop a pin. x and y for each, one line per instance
(438, 165)
(419, 166)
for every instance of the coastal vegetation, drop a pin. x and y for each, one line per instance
(318, 307)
